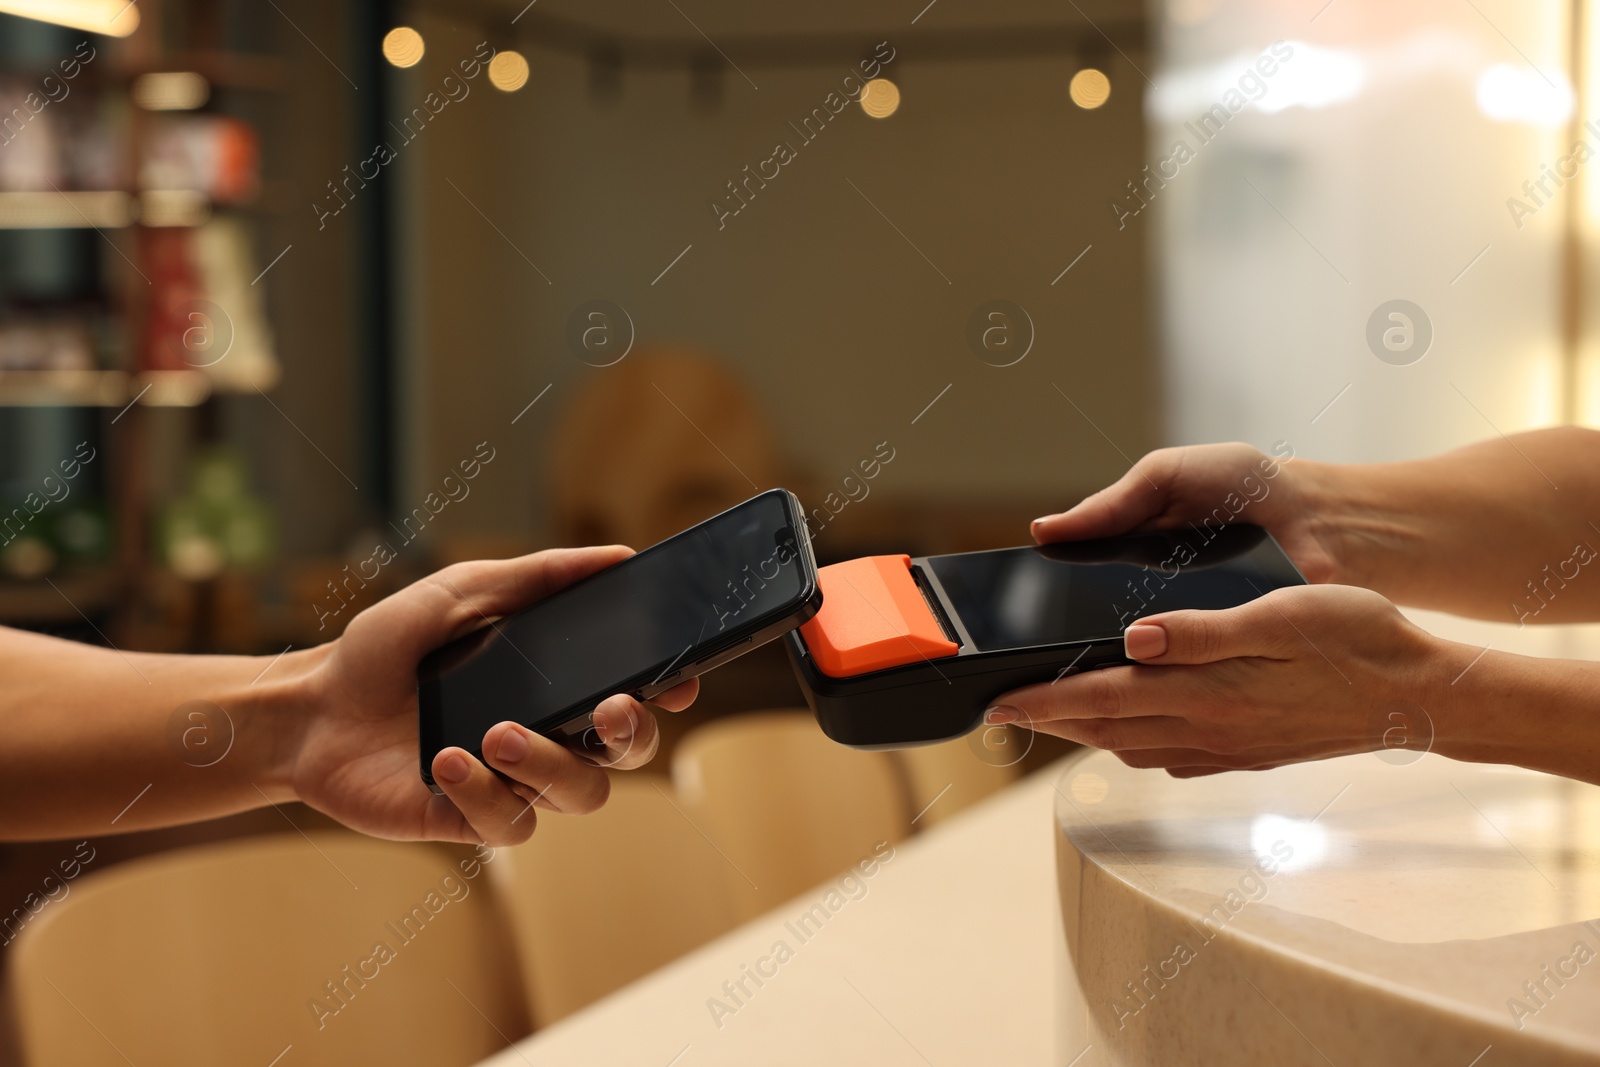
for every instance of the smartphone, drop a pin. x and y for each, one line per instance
(912, 651)
(658, 618)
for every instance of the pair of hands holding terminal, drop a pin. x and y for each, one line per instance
(1295, 675)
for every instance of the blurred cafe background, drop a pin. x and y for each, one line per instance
(274, 277)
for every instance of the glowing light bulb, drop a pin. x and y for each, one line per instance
(403, 46)
(880, 98)
(1089, 88)
(508, 71)
(114, 17)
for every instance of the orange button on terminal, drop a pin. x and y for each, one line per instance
(873, 617)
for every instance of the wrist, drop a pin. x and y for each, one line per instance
(1497, 707)
(1325, 497)
(1457, 678)
(1358, 514)
(275, 709)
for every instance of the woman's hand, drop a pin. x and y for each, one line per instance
(1299, 674)
(1222, 483)
(356, 753)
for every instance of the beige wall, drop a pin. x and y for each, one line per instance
(310, 296)
(844, 330)
(1379, 174)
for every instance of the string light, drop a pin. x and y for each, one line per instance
(880, 98)
(508, 71)
(403, 47)
(1089, 89)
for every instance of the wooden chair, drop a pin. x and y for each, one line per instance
(787, 807)
(943, 779)
(327, 948)
(596, 901)
(655, 444)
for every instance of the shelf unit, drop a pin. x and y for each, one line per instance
(115, 591)
(110, 209)
(104, 388)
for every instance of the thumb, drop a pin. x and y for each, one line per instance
(464, 597)
(1196, 636)
(1134, 499)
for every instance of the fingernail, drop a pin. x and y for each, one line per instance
(1001, 714)
(1035, 524)
(601, 724)
(455, 769)
(512, 748)
(1144, 642)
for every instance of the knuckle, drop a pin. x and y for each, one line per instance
(511, 823)
(1307, 605)
(1217, 710)
(360, 623)
(1102, 694)
(1098, 733)
(1090, 733)
(1220, 741)
(448, 580)
(1202, 636)
(1161, 460)
(1285, 618)
(594, 797)
(1161, 466)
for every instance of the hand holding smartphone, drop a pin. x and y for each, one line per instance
(653, 621)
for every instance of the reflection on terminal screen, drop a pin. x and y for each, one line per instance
(1092, 590)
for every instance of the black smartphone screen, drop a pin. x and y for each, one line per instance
(625, 628)
(1092, 590)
